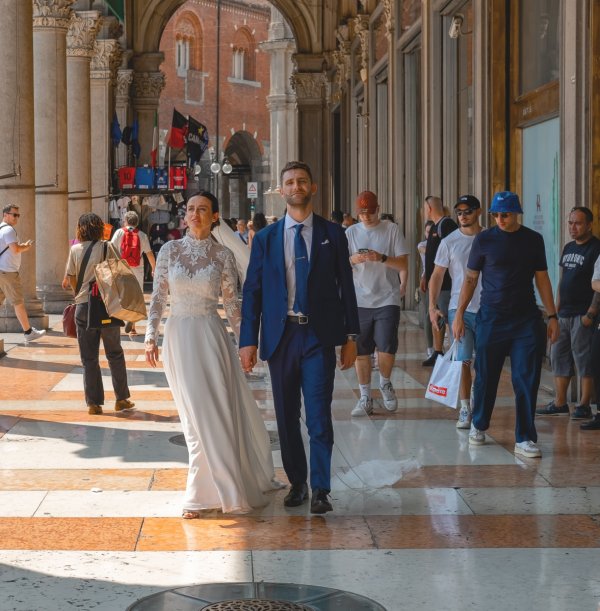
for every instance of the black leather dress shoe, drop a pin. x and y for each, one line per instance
(592, 425)
(320, 503)
(296, 496)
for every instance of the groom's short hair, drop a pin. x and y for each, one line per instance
(295, 165)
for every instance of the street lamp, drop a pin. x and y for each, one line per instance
(216, 167)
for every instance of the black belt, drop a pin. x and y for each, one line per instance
(300, 320)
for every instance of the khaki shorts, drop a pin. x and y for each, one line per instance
(10, 288)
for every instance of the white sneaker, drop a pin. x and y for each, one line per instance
(464, 418)
(390, 401)
(528, 449)
(35, 334)
(476, 437)
(364, 407)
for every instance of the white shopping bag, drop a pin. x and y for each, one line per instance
(444, 383)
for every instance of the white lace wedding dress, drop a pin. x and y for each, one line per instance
(230, 461)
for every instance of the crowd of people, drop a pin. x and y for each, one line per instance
(309, 286)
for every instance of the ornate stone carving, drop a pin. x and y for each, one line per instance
(148, 84)
(82, 33)
(52, 13)
(106, 59)
(309, 85)
(388, 17)
(124, 80)
(342, 63)
(361, 29)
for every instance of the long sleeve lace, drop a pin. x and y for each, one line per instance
(160, 293)
(229, 281)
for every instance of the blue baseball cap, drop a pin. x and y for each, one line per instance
(506, 201)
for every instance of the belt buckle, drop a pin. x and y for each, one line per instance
(302, 320)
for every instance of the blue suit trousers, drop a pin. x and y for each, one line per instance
(301, 365)
(522, 337)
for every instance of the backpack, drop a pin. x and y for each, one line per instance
(131, 249)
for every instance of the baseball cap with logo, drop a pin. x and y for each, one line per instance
(506, 201)
(469, 200)
(366, 202)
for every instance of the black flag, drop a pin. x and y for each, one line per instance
(197, 140)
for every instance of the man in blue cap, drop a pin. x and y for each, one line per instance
(509, 258)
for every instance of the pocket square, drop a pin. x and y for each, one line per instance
(325, 242)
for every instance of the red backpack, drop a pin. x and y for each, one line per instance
(131, 249)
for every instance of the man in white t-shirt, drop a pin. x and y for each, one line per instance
(10, 263)
(379, 259)
(143, 244)
(452, 256)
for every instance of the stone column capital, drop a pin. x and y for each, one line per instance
(309, 86)
(147, 86)
(82, 32)
(105, 59)
(52, 14)
(124, 80)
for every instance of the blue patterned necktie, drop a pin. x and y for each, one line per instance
(301, 267)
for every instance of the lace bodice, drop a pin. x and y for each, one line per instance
(194, 272)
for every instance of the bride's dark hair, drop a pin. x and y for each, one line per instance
(213, 200)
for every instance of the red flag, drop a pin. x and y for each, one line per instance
(154, 151)
(179, 127)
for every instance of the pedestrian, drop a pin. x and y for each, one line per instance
(442, 226)
(379, 259)
(452, 256)
(509, 257)
(594, 423)
(259, 221)
(133, 244)
(300, 295)
(576, 316)
(422, 291)
(10, 263)
(85, 255)
(242, 230)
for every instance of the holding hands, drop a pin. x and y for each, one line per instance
(151, 352)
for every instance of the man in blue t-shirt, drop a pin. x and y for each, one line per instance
(509, 258)
(576, 314)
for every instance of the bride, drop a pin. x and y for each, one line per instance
(230, 461)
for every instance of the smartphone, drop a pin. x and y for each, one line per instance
(363, 251)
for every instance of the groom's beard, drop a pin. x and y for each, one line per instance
(298, 202)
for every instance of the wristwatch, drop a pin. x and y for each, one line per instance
(590, 316)
(555, 316)
(384, 258)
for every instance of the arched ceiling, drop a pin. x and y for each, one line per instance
(149, 18)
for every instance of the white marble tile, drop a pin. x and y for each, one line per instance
(138, 379)
(532, 501)
(108, 581)
(122, 444)
(20, 503)
(452, 580)
(399, 378)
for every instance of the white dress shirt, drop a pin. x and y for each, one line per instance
(289, 233)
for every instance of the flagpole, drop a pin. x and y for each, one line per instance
(169, 168)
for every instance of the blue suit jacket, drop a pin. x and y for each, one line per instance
(332, 307)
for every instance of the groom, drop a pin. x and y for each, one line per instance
(299, 292)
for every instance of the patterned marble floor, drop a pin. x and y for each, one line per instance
(89, 505)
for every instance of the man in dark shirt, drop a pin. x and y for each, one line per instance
(442, 226)
(576, 314)
(509, 257)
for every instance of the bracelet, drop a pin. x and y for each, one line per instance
(384, 258)
(589, 316)
(555, 316)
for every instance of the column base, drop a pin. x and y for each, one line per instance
(54, 298)
(10, 324)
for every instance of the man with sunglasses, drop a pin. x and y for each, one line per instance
(10, 263)
(509, 257)
(452, 256)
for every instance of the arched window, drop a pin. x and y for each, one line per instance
(188, 41)
(244, 56)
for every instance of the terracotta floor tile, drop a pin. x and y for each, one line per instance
(169, 479)
(246, 533)
(115, 534)
(504, 531)
(75, 479)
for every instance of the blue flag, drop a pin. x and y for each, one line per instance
(135, 131)
(115, 130)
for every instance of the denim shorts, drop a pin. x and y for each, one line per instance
(466, 346)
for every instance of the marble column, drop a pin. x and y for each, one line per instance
(122, 100)
(17, 151)
(105, 61)
(311, 88)
(50, 24)
(80, 47)
(148, 82)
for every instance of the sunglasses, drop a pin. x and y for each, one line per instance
(502, 215)
(465, 212)
(15, 214)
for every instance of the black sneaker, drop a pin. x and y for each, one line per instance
(430, 362)
(581, 412)
(592, 425)
(552, 409)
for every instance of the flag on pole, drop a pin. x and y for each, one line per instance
(154, 151)
(135, 143)
(179, 127)
(197, 140)
(115, 130)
